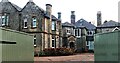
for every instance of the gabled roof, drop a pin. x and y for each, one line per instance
(33, 6)
(18, 8)
(110, 24)
(54, 18)
(67, 24)
(2, 5)
(82, 22)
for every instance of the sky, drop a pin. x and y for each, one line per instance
(86, 9)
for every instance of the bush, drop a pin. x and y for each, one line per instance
(58, 51)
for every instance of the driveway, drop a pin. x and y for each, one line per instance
(78, 57)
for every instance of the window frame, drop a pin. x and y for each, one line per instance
(34, 22)
(53, 25)
(53, 43)
(35, 41)
(5, 19)
(25, 21)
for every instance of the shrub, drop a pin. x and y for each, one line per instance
(58, 51)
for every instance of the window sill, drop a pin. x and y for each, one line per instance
(33, 27)
(25, 27)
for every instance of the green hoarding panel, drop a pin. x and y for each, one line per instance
(16, 46)
(107, 46)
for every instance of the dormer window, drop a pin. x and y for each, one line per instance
(34, 22)
(25, 23)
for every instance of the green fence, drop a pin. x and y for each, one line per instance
(107, 46)
(16, 46)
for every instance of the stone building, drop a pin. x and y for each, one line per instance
(78, 35)
(32, 19)
(9, 14)
(90, 31)
(108, 26)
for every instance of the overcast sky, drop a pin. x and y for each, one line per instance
(86, 9)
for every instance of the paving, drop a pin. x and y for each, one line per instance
(77, 57)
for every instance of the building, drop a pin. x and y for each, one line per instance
(78, 35)
(9, 15)
(90, 31)
(108, 26)
(32, 19)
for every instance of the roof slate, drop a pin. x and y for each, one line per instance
(67, 24)
(15, 6)
(82, 22)
(110, 24)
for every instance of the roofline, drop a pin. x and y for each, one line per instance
(108, 27)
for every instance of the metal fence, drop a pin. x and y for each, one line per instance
(107, 46)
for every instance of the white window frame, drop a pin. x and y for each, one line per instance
(34, 21)
(52, 42)
(78, 31)
(68, 31)
(53, 25)
(3, 20)
(34, 41)
(25, 20)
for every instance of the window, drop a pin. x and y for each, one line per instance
(5, 20)
(53, 25)
(78, 32)
(75, 32)
(34, 22)
(53, 42)
(68, 31)
(90, 32)
(25, 23)
(35, 40)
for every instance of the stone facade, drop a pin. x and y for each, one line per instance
(74, 37)
(33, 20)
(9, 15)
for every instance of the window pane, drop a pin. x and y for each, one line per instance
(53, 43)
(35, 40)
(53, 25)
(25, 23)
(34, 22)
(3, 20)
(75, 32)
(78, 33)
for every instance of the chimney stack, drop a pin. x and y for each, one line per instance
(30, 0)
(59, 16)
(48, 9)
(99, 18)
(73, 17)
